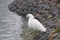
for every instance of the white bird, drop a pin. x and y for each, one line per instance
(34, 23)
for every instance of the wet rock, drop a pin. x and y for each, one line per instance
(58, 6)
(24, 7)
(50, 16)
(47, 12)
(56, 1)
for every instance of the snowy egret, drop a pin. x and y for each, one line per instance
(34, 23)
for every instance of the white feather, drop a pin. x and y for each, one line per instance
(35, 24)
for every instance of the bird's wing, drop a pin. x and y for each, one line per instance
(35, 24)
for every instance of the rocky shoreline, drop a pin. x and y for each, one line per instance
(47, 12)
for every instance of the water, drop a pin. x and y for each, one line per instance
(10, 23)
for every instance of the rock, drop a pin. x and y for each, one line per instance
(50, 16)
(56, 1)
(58, 6)
(46, 11)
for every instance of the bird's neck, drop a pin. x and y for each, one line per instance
(31, 18)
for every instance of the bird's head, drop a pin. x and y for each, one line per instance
(29, 16)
